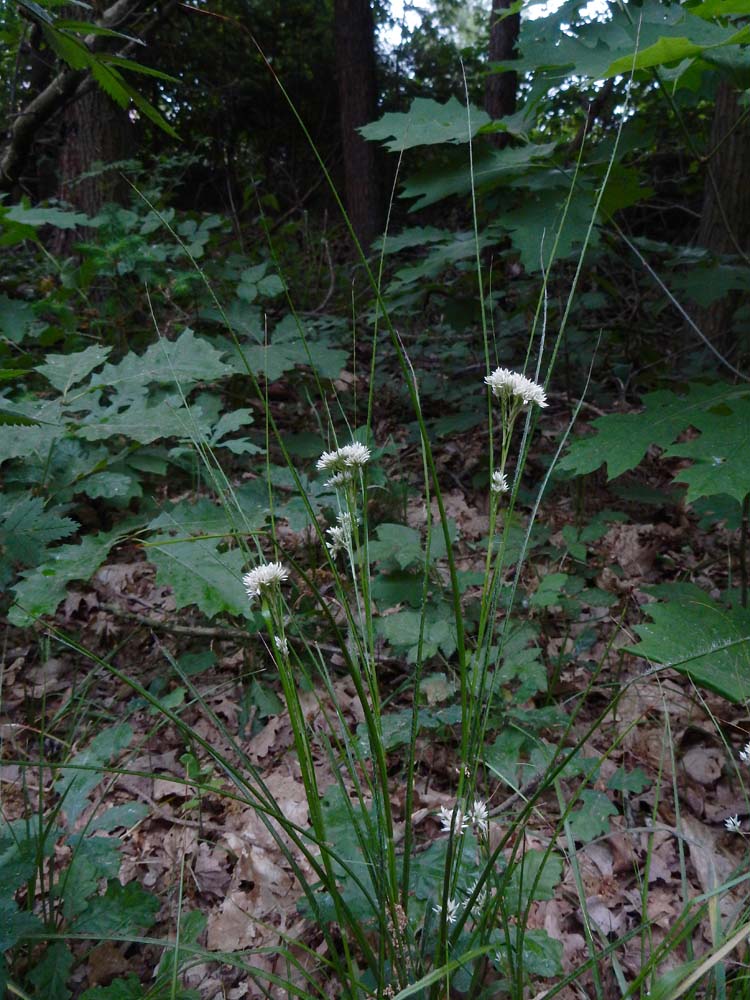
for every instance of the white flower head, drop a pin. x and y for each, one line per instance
(482, 896)
(341, 534)
(508, 384)
(355, 454)
(451, 911)
(342, 462)
(733, 824)
(453, 820)
(499, 482)
(745, 754)
(340, 478)
(263, 578)
(281, 644)
(480, 817)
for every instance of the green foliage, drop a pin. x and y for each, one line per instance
(693, 634)
(26, 527)
(427, 123)
(74, 786)
(532, 877)
(540, 955)
(62, 37)
(50, 974)
(96, 424)
(41, 589)
(20, 222)
(201, 572)
(119, 989)
(635, 781)
(591, 818)
(75, 900)
(717, 410)
(100, 418)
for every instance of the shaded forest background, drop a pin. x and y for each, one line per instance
(232, 83)
(236, 236)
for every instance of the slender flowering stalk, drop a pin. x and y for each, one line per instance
(341, 534)
(745, 754)
(733, 824)
(264, 578)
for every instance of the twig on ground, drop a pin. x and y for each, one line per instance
(202, 631)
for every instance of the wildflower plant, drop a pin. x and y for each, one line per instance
(383, 930)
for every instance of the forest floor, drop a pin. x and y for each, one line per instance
(214, 852)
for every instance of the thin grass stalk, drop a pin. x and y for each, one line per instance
(578, 878)
(265, 807)
(178, 929)
(328, 855)
(403, 362)
(414, 728)
(202, 956)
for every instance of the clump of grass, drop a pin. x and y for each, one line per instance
(397, 915)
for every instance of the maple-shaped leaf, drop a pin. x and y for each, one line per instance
(199, 573)
(66, 370)
(184, 361)
(721, 453)
(426, 123)
(591, 818)
(622, 439)
(141, 421)
(693, 634)
(41, 589)
(26, 528)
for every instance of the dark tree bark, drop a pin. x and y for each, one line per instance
(500, 90)
(725, 216)
(68, 86)
(357, 88)
(95, 129)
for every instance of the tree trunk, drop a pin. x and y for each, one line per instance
(725, 216)
(95, 130)
(500, 90)
(354, 35)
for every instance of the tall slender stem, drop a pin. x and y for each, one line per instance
(745, 525)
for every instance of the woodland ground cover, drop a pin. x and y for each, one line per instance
(379, 627)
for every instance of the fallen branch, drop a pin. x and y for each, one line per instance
(200, 631)
(68, 85)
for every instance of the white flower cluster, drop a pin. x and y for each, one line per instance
(482, 896)
(281, 644)
(263, 578)
(499, 483)
(733, 824)
(480, 817)
(452, 910)
(341, 534)
(342, 462)
(745, 754)
(456, 821)
(507, 384)
(453, 820)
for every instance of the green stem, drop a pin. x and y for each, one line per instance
(745, 525)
